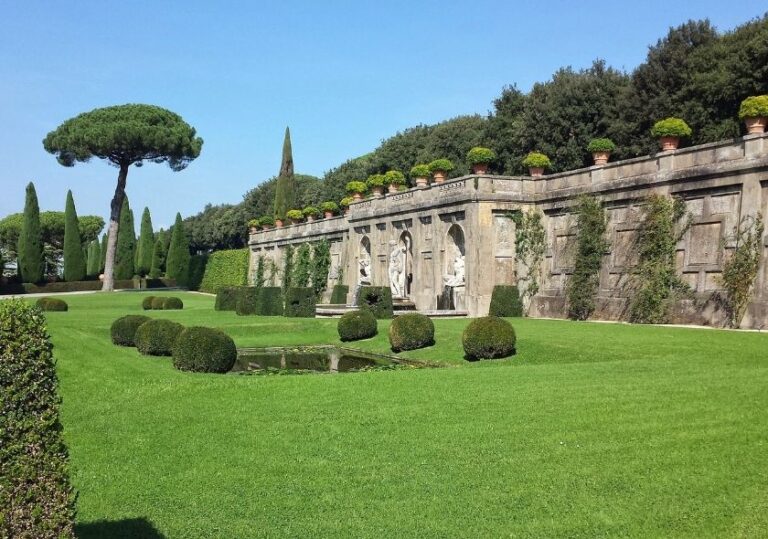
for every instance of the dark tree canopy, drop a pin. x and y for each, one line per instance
(125, 134)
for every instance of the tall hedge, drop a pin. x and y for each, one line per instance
(300, 302)
(177, 263)
(74, 263)
(225, 268)
(196, 271)
(146, 244)
(505, 301)
(157, 269)
(30, 248)
(36, 498)
(126, 243)
(93, 266)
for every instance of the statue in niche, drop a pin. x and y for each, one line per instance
(364, 278)
(457, 279)
(397, 269)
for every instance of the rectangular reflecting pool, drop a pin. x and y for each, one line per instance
(313, 359)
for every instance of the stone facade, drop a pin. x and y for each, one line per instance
(468, 217)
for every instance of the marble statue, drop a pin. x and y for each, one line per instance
(397, 270)
(365, 272)
(457, 279)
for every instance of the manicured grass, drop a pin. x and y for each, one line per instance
(591, 430)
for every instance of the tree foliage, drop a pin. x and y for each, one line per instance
(146, 244)
(741, 267)
(591, 246)
(74, 262)
(126, 244)
(285, 190)
(93, 266)
(30, 249)
(177, 262)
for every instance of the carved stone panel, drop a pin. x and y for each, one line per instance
(565, 247)
(624, 249)
(704, 244)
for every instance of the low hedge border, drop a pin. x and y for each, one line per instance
(300, 302)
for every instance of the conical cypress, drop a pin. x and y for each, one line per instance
(103, 252)
(30, 249)
(285, 190)
(158, 258)
(146, 244)
(126, 243)
(94, 259)
(74, 264)
(177, 263)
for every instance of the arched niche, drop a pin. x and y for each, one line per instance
(364, 262)
(400, 269)
(454, 269)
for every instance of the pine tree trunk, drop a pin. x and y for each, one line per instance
(114, 218)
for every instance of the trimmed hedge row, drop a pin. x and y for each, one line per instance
(300, 303)
(505, 301)
(377, 299)
(339, 294)
(79, 286)
(52, 304)
(264, 301)
(225, 268)
(226, 298)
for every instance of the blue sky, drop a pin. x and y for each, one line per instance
(343, 75)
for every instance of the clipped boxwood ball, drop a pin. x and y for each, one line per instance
(173, 304)
(156, 337)
(146, 303)
(488, 338)
(52, 304)
(157, 304)
(356, 325)
(201, 349)
(411, 331)
(123, 329)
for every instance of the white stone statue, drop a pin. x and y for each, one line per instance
(397, 270)
(457, 279)
(365, 271)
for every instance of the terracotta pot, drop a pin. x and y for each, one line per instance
(328, 214)
(480, 168)
(295, 221)
(439, 176)
(279, 223)
(266, 227)
(536, 172)
(601, 158)
(392, 188)
(422, 182)
(310, 218)
(378, 191)
(357, 196)
(254, 229)
(346, 211)
(669, 143)
(755, 126)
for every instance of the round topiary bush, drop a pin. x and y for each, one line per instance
(601, 145)
(200, 349)
(479, 155)
(123, 329)
(146, 303)
(671, 127)
(156, 337)
(536, 160)
(173, 303)
(488, 338)
(157, 303)
(411, 331)
(356, 325)
(52, 304)
(754, 107)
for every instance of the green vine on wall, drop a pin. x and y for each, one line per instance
(530, 244)
(665, 222)
(302, 266)
(270, 272)
(287, 267)
(258, 279)
(740, 269)
(591, 247)
(321, 266)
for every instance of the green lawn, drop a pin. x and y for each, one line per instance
(592, 430)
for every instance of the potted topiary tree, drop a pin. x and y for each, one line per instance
(601, 149)
(267, 222)
(356, 189)
(420, 175)
(479, 158)
(329, 209)
(536, 163)
(393, 179)
(310, 213)
(254, 225)
(669, 131)
(345, 202)
(375, 183)
(439, 169)
(295, 216)
(754, 112)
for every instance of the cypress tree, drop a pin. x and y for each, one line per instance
(30, 250)
(103, 252)
(74, 264)
(146, 244)
(158, 258)
(94, 259)
(126, 243)
(285, 189)
(177, 263)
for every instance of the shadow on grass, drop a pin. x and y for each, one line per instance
(129, 528)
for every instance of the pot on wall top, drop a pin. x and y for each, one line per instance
(755, 125)
(669, 143)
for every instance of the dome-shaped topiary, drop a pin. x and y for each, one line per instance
(146, 303)
(158, 303)
(536, 160)
(123, 330)
(173, 303)
(479, 155)
(671, 127)
(156, 337)
(411, 331)
(488, 338)
(52, 304)
(754, 107)
(356, 325)
(201, 349)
